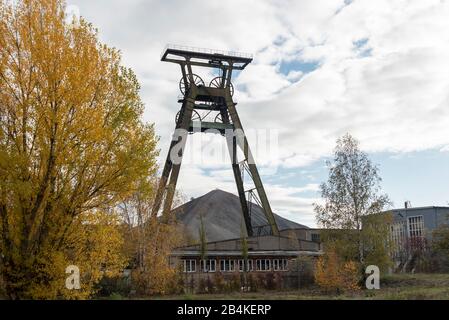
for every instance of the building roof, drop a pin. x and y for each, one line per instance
(419, 208)
(237, 253)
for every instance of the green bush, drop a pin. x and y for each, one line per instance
(114, 286)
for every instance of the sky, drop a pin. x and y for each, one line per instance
(378, 70)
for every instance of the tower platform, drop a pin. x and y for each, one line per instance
(206, 57)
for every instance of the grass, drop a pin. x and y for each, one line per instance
(393, 287)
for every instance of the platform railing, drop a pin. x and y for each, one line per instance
(208, 51)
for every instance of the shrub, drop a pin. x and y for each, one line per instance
(219, 282)
(253, 283)
(235, 283)
(205, 285)
(176, 284)
(440, 247)
(351, 276)
(202, 286)
(109, 286)
(336, 276)
(115, 296)
(261, 280)
(304, 268)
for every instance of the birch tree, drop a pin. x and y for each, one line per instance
(351, 194)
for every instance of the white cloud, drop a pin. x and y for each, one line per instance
(393, 97)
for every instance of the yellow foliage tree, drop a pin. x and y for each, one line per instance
(72, 144)
(336, 276)
(156, 275)
(150, 241)
(94, 244)
(327, 273)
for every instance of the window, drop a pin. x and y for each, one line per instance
(315, 237)
(398, 235)
(212, 265)
(416, 232)
(241, 265)
(232, 265)
(284, 265)
(250, 266)
(276, 265)
(258, 265)
(222, 265)
(280, 264)
(416, 227)
(227, 265)
(208, 265)
(262, 265)
(189, 266)
(267, 265)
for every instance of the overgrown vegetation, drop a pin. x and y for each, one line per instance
(440, 248)
(393, 287)
(335, 275)
(218, 282)
(428, 254)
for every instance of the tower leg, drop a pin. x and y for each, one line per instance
(232, 147)
(243, 143)
(171, 170)
(162, 184)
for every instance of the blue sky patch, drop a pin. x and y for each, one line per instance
(286, 67)
(362, 48)
(420, 177)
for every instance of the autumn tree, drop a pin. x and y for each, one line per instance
(352, 200)
(72, 144)
(149, 240)
(334, 275)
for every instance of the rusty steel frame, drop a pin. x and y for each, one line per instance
(214, 99)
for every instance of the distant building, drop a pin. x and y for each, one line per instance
(412, 227)
(266, 254)
(221, 215)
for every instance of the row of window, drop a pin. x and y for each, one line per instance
(410, 231)
(414, 228)
(229, 265)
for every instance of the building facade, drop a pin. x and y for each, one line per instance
(417, 223)
(263, 255)
(411, 231)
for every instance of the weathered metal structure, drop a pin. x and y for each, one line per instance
(216, 99)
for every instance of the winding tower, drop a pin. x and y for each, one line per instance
(198, 102)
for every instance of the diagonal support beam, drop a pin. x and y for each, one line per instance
(232, 147)
(173, 162)
(243, 144)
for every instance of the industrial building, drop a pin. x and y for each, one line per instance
(227, 247)
(412, 228)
